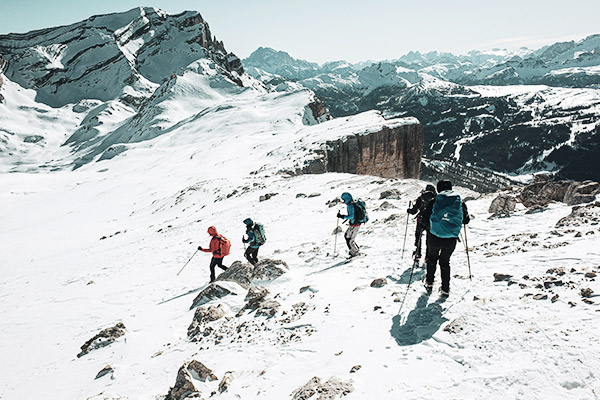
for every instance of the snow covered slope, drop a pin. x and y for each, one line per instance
(103, 244)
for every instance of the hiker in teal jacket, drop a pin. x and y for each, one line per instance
(445, 215)
(251, 253)
(352, 230)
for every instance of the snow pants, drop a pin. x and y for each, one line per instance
(418, 239)
(439, 249)
(251, 254)
(350, 235)
(213, 263)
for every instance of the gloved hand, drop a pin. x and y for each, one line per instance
(199, 247)
(408, 210)
(244, 240)
(339, 215)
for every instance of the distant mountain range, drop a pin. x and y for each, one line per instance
(515, 112)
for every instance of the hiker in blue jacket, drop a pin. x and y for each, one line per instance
(446, 215)
(352, 230)
(251, 253)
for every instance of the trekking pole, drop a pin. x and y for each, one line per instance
(188, 261)
(467, 250)
(405, 231)
(337, 227)
(408, 287)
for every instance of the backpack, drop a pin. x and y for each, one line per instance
(360, 211)
(447, 215)
(259, 234)
(224, 246)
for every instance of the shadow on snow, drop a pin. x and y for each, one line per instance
(421, 323)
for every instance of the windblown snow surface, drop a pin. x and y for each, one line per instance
(85, 249)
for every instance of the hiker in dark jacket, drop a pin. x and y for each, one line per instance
(215, 248)
(251, 253)
(419, 208)
(446, 215)
(352, 230)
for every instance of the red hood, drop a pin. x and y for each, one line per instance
(212, 231)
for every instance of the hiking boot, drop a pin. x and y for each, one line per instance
(444, 293)
(428, 287)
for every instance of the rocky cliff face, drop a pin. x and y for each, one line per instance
(392, 152)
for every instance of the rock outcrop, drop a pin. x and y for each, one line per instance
(392, 152)
(318, 390)
(211, 292)
(503, 205)
(184, 384)
(103, 338)
(203, 316)
(543, 191)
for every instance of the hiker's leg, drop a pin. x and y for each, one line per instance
(247, 254)
(446, 251)
(220, 264)
(352, 232)
(213, 262)
(433, 254)
(255, 256)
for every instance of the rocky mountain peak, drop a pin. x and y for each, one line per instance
(99, 57)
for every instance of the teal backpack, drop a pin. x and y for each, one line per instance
(259, 234)
(360, 211)
(447, 215)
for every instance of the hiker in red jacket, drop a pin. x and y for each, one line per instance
(215, 249)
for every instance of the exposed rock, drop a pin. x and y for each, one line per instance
(355, 368)
(386, 205)
(203, 316)
(332, 389)
(391, 218)
(269, 269)
(106, 370)
(504, 204)
(318, 111)
(390, 194)
(580, 215)
(590, 275)
(103, 338)
(256, 295)
(268, 308)
(226, 381)
(211, 292)
(554, 298)
(540, 296)
(455, 326)
(184, 384)
(300, 195)
(238, 272)
(586, 292)
(200, 372)
(314, 195)
(549, 284)
(536, 209)
(267, 196)
(392, 152)
(33, 139)
(501, 277)
(541, 193)
(560, 271)
(337, 230)
(379, 282)
(579, 193)
(333, 202)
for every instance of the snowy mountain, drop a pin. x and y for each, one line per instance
(106, 296)
(513, 112)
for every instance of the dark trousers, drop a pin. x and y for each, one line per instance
(418, 236)
(251, 255)
(439, 249)
(213, 263)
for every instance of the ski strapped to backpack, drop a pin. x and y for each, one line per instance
(224, 245)
(360, 211)
(259, 234)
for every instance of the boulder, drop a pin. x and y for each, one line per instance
(211, 292)
(503, 203)
(268, 269)
(226, 381)
(379, 282)
(184, 384)
(104, 371)
(390, 194)
(579, 193)
(315, 389)
(238, 272)
(204, 315)
(103, 338)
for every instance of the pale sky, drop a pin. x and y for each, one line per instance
(354, 30)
